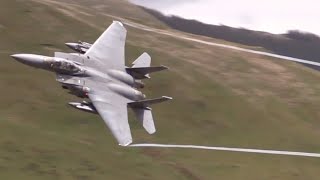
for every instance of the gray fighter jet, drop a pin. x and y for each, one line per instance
(101, 76)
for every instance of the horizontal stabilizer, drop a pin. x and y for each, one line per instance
(143, 72)
(146, 119)
(146, 103)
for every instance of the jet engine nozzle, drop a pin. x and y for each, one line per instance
(139, 84)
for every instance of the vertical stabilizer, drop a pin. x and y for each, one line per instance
(143, 61)
(143, 112)
(146, 119)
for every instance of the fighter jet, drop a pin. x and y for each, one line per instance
(80, 47)
(100, 75)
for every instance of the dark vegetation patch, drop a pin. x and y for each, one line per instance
(294, 43)
(47, 45)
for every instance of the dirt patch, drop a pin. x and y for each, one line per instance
(153, 153)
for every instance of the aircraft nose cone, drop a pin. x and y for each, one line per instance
(16, 56)
(29, 59)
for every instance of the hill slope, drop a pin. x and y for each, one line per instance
(222, 98)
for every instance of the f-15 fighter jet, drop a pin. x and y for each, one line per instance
(101, 76)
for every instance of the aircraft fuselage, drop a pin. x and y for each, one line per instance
(72, 70)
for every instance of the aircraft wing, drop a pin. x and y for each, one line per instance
(113, 110)
(109, 48)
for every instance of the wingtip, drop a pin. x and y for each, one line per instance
(125, 144)
(152, 131)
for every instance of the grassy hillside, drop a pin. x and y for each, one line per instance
(222, 98)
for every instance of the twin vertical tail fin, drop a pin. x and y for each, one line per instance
(143, 61)
(141, 67)
(146, 119)
(141, 70)
(144, 113)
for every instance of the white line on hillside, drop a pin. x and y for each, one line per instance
(258, 151)
(175, 35)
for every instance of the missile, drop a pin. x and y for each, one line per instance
(81, 47)
(84, 106)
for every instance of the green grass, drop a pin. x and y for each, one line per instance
(221, 98)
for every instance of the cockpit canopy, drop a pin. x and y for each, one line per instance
(63, 66)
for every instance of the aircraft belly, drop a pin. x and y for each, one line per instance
(70, 80)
